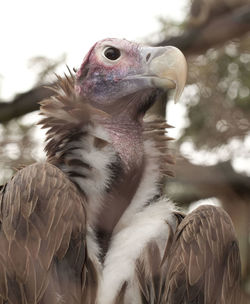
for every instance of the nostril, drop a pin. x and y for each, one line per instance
(148, 56)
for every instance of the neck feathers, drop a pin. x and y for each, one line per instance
(67, 117)
(83, 149)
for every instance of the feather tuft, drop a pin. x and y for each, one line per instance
(155, 130)
(65, 113)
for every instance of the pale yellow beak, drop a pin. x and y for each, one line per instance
(169, 67)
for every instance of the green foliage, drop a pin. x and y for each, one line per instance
(221, 109)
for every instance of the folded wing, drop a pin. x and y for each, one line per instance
(42, 238)
(200, 264)
(204, 263)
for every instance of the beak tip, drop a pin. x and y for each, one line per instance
(180, 75)
(171, 65)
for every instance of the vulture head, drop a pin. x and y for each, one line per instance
(123, 78)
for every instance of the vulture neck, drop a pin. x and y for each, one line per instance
(116, 162)
(127, 140)
(117, 165)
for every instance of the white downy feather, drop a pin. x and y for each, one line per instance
(127, 246)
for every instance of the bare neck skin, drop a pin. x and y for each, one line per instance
(127, 140)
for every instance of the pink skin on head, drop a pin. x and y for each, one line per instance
(113, 87)
(85, 61)
(102, 80)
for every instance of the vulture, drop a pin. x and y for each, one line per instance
(91, 224)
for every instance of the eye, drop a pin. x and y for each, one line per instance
(112, 53)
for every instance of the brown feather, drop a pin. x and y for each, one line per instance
(120, 296)
(154, 129)
(199, 253)
(200, 264)
(43, 220)
(66, 115)
(89, 289)
(151, 271)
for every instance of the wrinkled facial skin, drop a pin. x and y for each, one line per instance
(105, 79)
(118, 76)
(108, 82)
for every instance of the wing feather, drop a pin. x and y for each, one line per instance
(200, 263)
(206, 254)
(42, 237)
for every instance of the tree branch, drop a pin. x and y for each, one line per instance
(23, 103)
(215, 31)
(197, 182)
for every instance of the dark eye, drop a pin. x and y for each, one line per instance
(112, 53)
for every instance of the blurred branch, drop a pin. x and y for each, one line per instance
(23, 103)
(27, 102)
(197, 182)
(215, 31)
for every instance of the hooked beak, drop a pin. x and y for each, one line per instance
(166, 67)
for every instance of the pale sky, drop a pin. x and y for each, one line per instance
(50, 28)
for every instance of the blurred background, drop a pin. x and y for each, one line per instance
(212, 119)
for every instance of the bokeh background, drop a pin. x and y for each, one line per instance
(212, 119)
